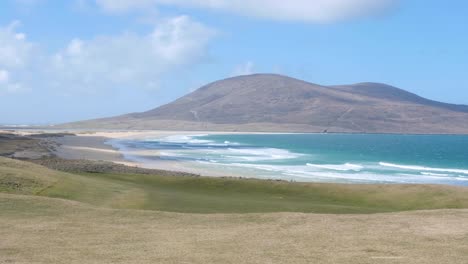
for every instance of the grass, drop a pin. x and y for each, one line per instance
(85, 226)
(20, 177)
(222, 195)
(43, 230)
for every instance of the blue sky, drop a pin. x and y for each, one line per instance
(63, 61)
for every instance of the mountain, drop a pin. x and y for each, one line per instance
(269, 102)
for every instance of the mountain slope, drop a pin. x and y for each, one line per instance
(267, 102)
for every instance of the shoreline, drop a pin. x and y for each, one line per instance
(34, 129)
(90, 148)
(98, 146)
(95, 146)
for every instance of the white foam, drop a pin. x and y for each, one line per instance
(203, 147)
(169, 154)
(435, 174)
(308, 173)
(421, 168)
(257, 154)
(184, 139)
(271, 163)
(342, 167)
(311, 174)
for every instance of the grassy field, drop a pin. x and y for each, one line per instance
(222, 195)
(45, 230)
(48, 216)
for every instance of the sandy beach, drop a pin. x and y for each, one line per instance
(90, 147)
(96, 146)
(85, 144)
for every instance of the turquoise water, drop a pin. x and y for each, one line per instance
(348, 158)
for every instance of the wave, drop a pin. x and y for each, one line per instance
(258, 154)
(192, 147)
(258, 166)
(342, 167)
(308, 173)
(184, 139)
(435, 174)
(191, 141)
(269, 162)
(422, 168)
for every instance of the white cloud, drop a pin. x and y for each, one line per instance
(129, 59)
(7, 86)
(180, 40)
(15, 50)
(17, 55)
(244, 69)
(4, 76)
(20, 36)
(126, 60)
(75, 47)
(316, 11)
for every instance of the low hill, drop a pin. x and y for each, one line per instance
(268, 102)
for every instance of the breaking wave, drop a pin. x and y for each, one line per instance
(422, 168)
(274, 161)
(343, 167)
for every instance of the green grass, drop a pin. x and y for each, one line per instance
(25, 178)
(225, 195)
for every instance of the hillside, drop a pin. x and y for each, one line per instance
(189, 194)
(267, 102)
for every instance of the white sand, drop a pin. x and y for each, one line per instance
(92, 146)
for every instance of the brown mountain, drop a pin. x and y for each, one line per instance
(267, 102)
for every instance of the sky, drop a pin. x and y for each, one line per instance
(63, 61)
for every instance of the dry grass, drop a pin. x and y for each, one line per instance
(45, 230)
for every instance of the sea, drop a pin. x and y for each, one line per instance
(336, 158)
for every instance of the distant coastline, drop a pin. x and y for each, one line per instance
(107, 146)
(72, 129)
(111, 146)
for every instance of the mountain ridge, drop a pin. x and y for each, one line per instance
(277, 103)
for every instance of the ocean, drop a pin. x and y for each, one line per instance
(340, 158)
